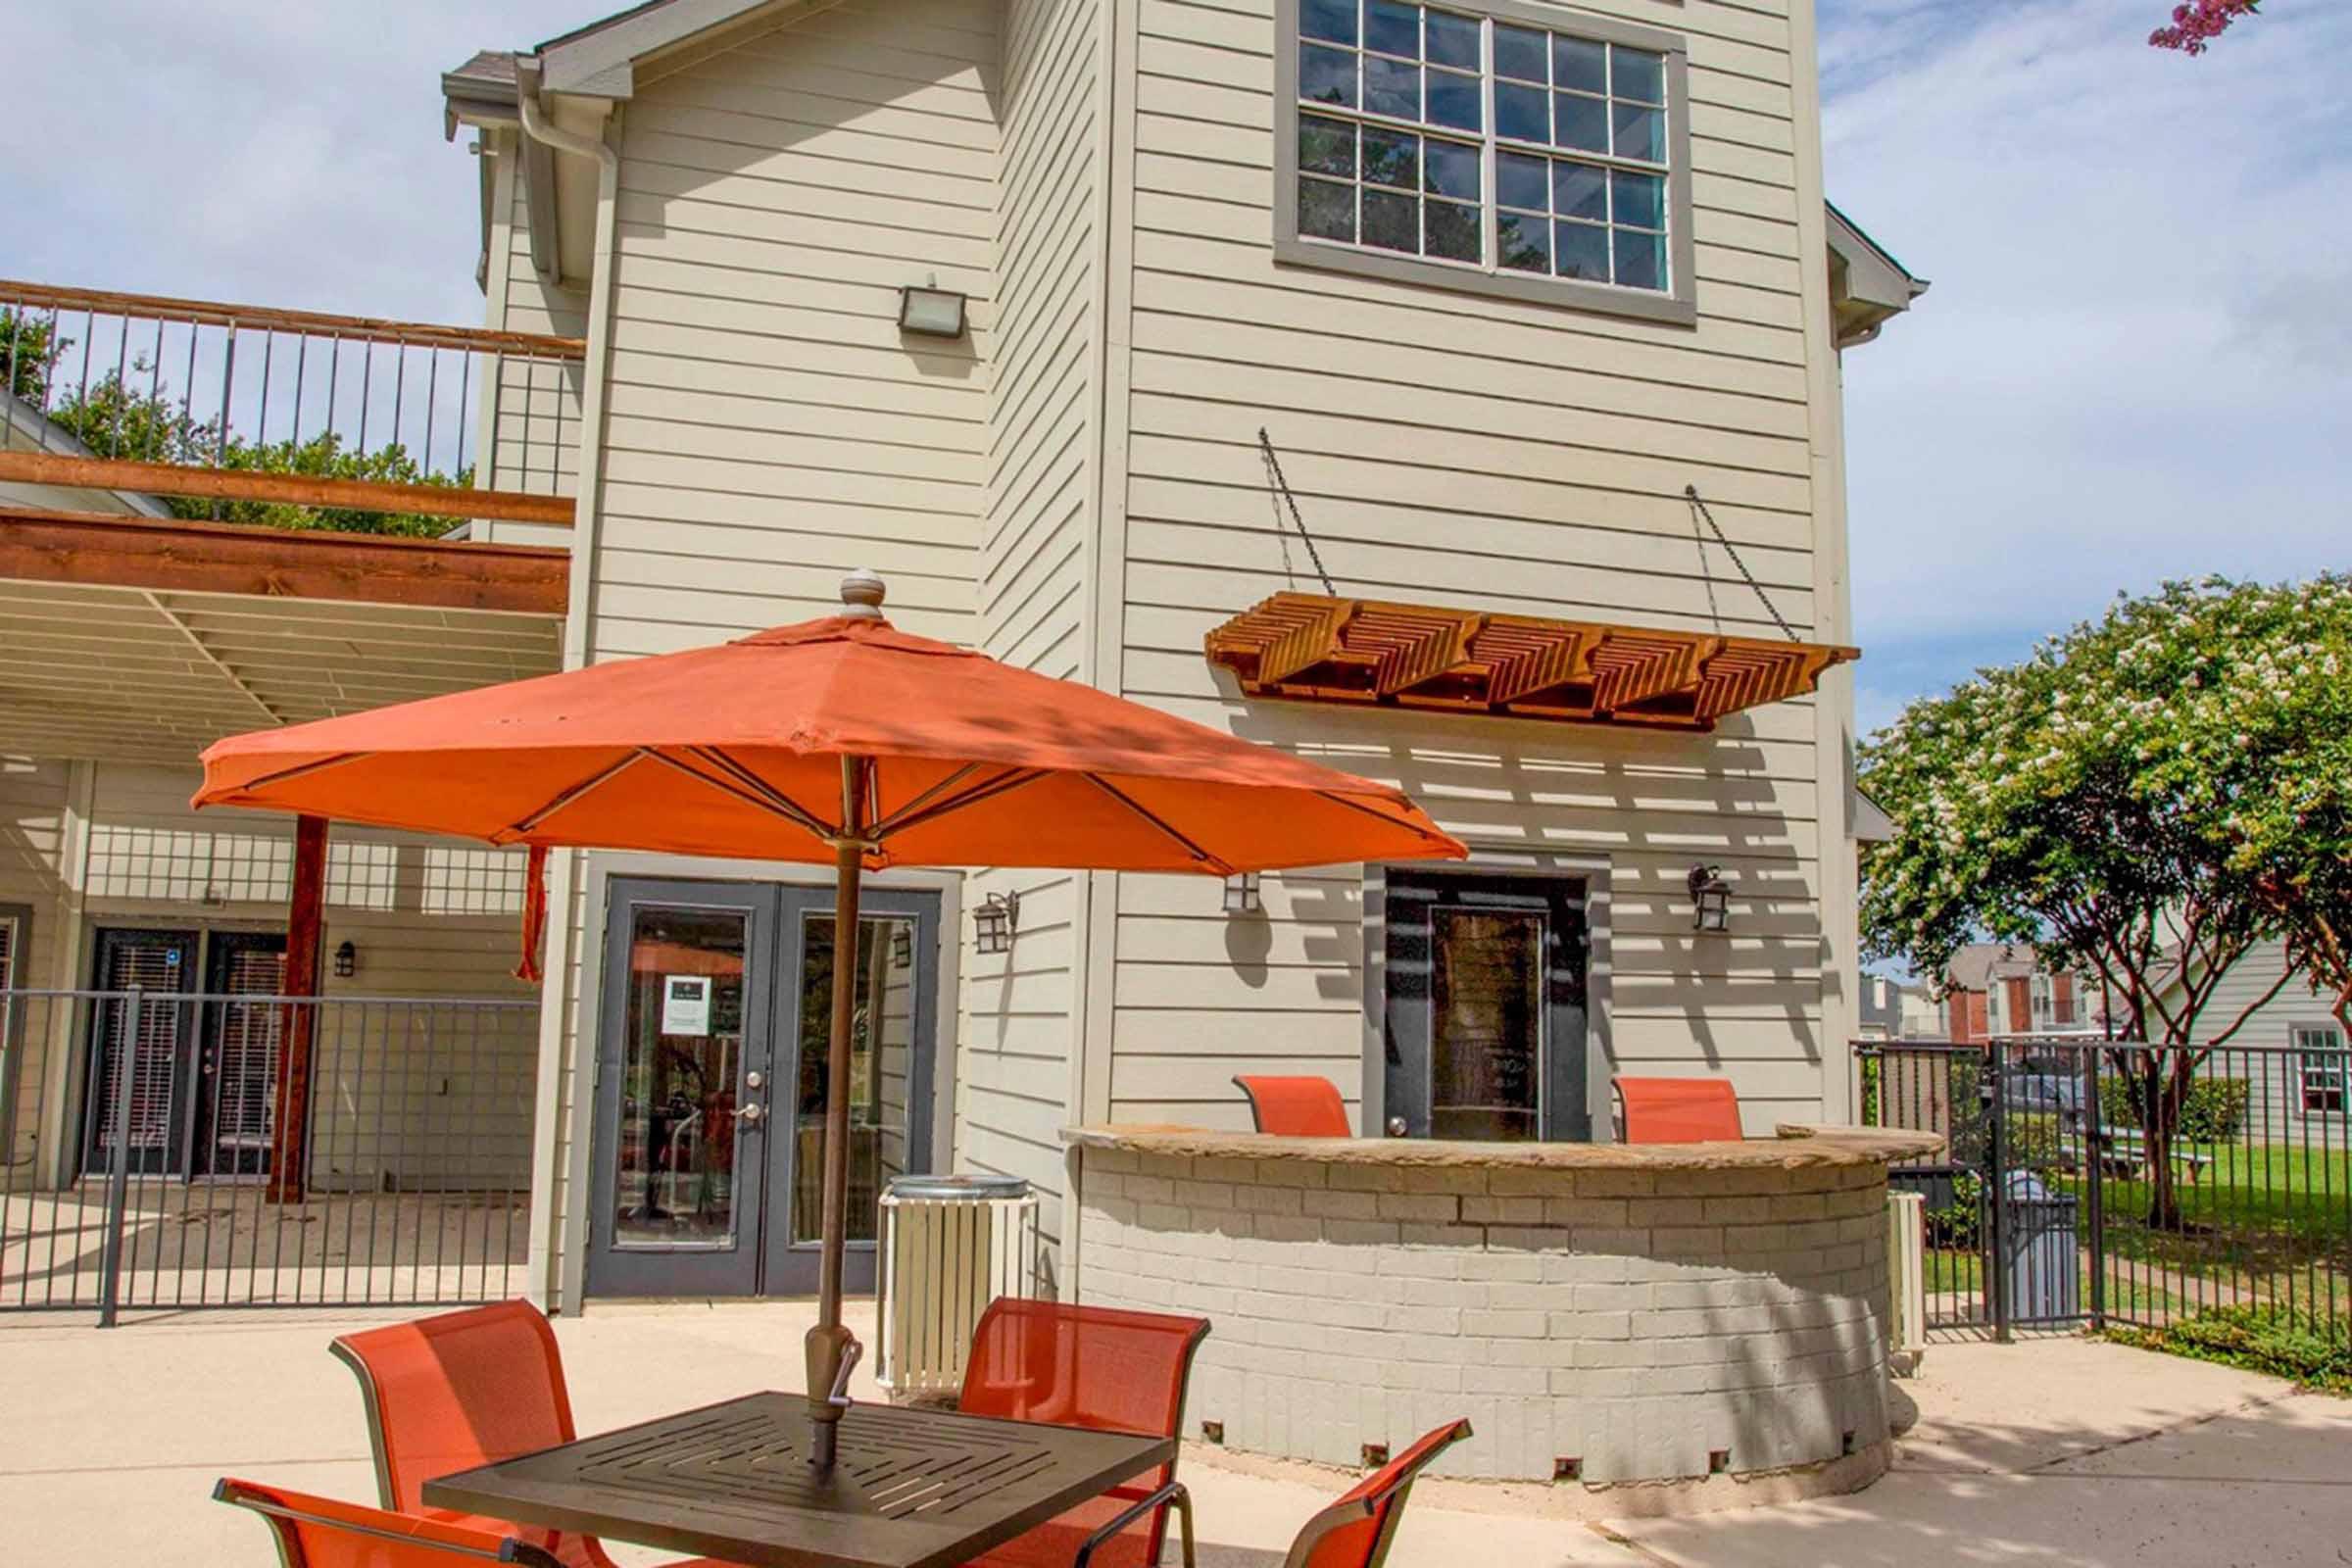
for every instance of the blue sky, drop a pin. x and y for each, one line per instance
(2135, 362)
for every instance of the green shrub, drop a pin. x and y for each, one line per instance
(2312, 1350)
(2214, 1112)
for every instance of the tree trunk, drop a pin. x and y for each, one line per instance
(2164, 1091)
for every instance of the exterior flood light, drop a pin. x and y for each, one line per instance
(930, 311)
(1710, 898)
(1242, 894)
(994, 921)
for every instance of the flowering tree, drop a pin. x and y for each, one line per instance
(2199, 23)
(2095, 801)
(2269, 729)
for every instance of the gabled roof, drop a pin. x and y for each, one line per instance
(1976, 967)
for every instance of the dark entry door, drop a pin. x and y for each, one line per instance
(710, 1082)
(236, 1080)
(162, 1107)
(1486, 1008)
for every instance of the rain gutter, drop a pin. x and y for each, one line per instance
(557, 1272)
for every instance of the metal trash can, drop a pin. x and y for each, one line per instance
(951, 1244)
(2041, 1272)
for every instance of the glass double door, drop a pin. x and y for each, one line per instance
(204, 1072)
(711, 1081)
(1487, 1038)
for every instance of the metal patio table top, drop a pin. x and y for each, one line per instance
(911, 1488)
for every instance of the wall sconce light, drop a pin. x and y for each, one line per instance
(1242, 894)
(901, 947)
(930, 311)
(347, 961)
(994, 921)
(1710, 898)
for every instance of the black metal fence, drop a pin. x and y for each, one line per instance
(180, 1150)
(2115, 1182)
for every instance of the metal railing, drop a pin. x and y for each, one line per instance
(249, 413)
(145, 1162)
(2115, 1182)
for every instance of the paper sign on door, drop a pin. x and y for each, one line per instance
(686, 1004)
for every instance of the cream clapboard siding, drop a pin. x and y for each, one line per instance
(531, 424)
(2257, 1048)
(1457, 448)
(1013, 1054)
(33, 832)
(429, 918)
(769, 427)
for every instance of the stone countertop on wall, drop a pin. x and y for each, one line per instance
(1798, 1147)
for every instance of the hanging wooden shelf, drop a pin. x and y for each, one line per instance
(1310, 647)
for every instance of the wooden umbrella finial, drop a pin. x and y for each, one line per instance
(862, 594)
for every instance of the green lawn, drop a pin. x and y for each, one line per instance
(2266, 1222)
(2257, 1209)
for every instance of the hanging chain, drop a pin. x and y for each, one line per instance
(1698, 510)
(1282, 489)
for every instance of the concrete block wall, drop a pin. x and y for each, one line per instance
(1649, 1325)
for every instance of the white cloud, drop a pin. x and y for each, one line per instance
(2137, 361)
(251, 150)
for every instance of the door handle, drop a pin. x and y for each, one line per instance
(1398, 1127)
(751, 1114)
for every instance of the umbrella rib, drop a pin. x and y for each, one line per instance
(301, 769)
(884, 825)
(1372, 812)
(742, 774)
(1137, 807)
(1010, 780)
(737, 792)
(573, 792)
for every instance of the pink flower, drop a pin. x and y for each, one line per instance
(2199, 23)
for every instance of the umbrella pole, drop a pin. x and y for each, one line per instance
(828, 1342)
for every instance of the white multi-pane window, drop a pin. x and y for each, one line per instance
(1471, 140)
(2325, 1067)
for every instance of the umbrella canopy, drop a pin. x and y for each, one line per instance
(735, 750)
(840, 740)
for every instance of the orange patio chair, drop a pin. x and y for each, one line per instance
(1356, 1531)
(1296, 1108)
(461, 1390)
(1095, 1367)
(1680, 1110)
(321, 1533)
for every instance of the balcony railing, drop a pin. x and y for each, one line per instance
(251, 414)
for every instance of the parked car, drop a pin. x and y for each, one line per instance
(2037, 1086)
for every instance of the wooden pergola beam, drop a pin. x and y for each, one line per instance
(283, 489)
(92, 550)
(1319, 649)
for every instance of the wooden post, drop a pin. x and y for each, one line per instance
(306, 912)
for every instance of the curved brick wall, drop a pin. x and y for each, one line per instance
(1650, 1323)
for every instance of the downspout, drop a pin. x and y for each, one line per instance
(554, 1270)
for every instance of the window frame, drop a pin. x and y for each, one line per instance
(1677, 305)
(2332, 1060)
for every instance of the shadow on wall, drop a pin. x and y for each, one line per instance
(1631, 797)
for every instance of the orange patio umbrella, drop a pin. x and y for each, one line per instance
(840, 740)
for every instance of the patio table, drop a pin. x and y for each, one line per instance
(909, 1489)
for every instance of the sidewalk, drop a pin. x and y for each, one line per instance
(2048, 1452)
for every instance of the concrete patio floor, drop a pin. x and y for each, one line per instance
(2051, 1452)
